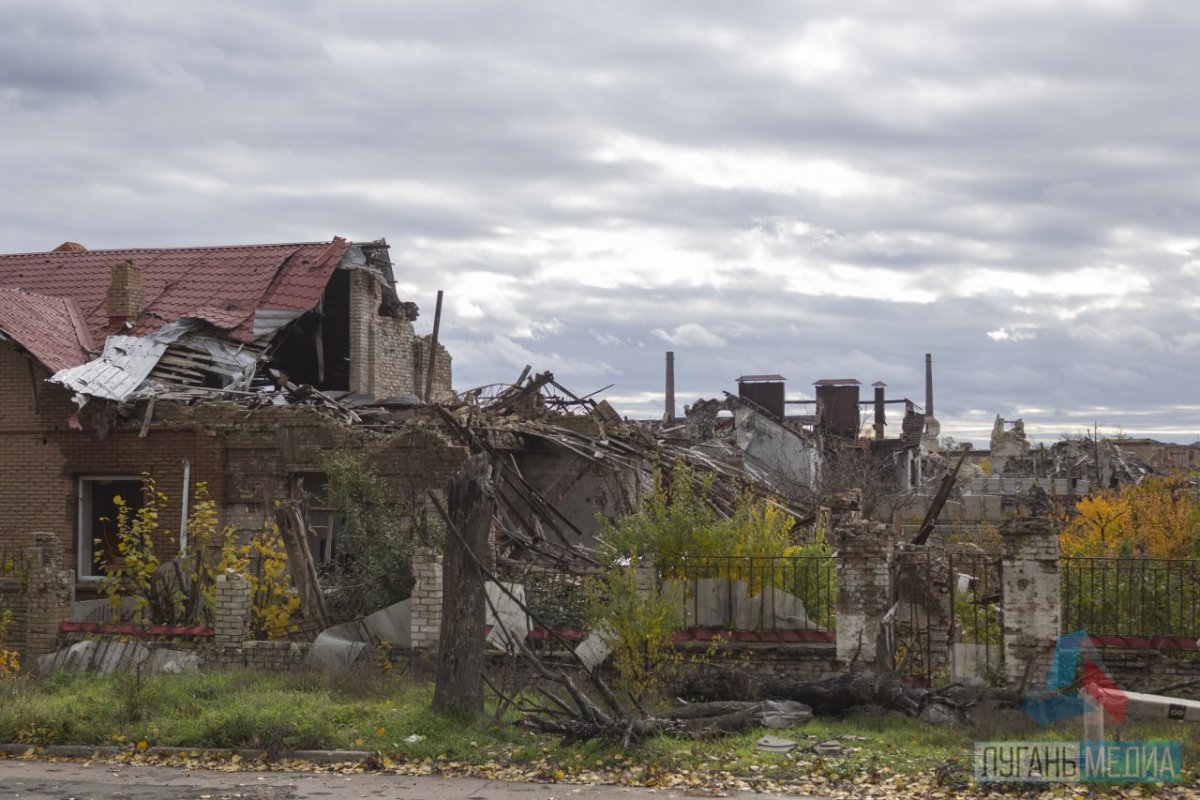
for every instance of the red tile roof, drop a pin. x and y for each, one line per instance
(223, 285)
(51, 328)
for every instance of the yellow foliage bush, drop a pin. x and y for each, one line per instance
(10, 660)
(1157, 518)
(263, 563)
(133, 572)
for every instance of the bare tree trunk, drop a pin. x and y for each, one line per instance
(828, 697)
(459, 680)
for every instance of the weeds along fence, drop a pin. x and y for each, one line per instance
(1132, 597)
(11, 559)
(757, 593)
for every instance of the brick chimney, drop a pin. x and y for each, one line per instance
(124, 298)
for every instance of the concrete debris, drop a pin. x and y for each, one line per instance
(775, 744)
(105, 656)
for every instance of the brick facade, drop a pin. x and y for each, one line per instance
(386, 356)
(44, 458)
(247, 457)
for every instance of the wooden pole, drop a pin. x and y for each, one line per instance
(433, 344)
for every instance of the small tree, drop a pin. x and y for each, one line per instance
(677, 535)
(132, 575)
(636, 615)
(372, 567)
(262, 561)
(158, 598)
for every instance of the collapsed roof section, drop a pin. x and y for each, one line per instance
(244, 291)
(190, 322)
(177, 360)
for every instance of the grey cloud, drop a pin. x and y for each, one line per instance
(1023, 138)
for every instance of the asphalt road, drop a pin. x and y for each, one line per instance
(59, 780)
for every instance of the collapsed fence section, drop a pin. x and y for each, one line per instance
(1155, 599)
(948, 621)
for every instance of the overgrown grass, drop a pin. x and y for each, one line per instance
(280, 712)
(273, 711)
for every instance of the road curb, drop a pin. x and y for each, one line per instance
(89, 751)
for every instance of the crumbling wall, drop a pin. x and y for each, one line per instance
(1032, 599)
(381, 347)
(787, 454)
(578, 487)
(38, 592)
(265, 448)
(442, 371)
(1010, 449)
(387, 358)
(865, 554)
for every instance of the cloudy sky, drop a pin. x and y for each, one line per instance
(817, 189)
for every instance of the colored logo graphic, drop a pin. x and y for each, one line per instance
(1057, 703)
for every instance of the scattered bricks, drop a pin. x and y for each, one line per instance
(1032, 600)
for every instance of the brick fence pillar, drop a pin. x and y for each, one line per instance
(1032, 603)
(232, 614)
(49, 593)
(426, 605)
(864, 586)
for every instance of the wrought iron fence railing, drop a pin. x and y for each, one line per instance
(757, 593)
(1158, 598)
(11, 558)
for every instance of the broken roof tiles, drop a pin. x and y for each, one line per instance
(50, 328)
(223, 286)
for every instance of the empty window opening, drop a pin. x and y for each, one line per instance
(312, 490)
(98, 513)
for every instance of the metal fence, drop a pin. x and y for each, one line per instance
(948, 615)
(1140, 597)
(11, 560)
(757, 593)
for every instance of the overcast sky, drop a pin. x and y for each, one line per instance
(817, 189)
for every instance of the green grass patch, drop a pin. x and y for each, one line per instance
(281, 712)
(274, 711)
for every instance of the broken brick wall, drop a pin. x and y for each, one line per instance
(386, 356)
(442, 372)
(37, 592)
(579, 488)
(264, 449)
(245, 456)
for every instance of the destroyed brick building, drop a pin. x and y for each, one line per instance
(829, 453)
(203, 364)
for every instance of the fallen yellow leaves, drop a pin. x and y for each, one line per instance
(628, 772)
